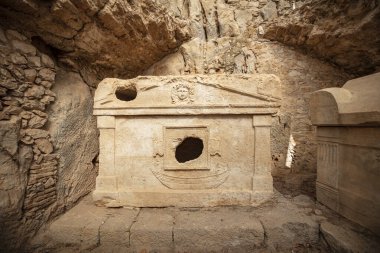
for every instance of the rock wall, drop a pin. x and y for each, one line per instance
(342, 32)
(99, 38)
(48, 152)
(75, 138)
(28, 175)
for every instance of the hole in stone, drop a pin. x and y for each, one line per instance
(190, 148)
(126, 93)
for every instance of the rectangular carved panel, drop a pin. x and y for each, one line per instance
(186, 148)
(328, 163)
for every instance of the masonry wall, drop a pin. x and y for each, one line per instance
(44, 167)
(28, 162)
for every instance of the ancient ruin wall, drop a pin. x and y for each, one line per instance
(48, 153)
(28, 159)
(48, 136)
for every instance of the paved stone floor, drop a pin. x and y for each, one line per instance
(282, 225)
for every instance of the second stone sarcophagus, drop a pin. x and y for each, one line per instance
(185, 140)
(348, 135)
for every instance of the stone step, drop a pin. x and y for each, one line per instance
(282, 225)
(344, 237)
(96, 229)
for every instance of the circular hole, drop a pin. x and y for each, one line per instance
(189, 149)
(126, 93)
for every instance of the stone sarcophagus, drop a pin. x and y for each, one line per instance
(348, 135)
(185, 140)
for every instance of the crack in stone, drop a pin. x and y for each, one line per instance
(102, 224)
(216, 18)
(265, 234)
(98, 242)
(204, 19)
(174, 221)
(130, 227)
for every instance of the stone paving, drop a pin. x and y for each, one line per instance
(282, 225)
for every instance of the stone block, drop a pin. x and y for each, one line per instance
(153, 231)
(47, 61)
(115, 232)
(34, 61)
(44, 145)
(79, 226)
(269, 11)
(17, 58)
(35, 92)
(288, 226)
(24, 47)
(30, 74)
(341, 238)
(47, 74)
(217, 231)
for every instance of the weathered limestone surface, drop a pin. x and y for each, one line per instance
(217, 230)
(75, 138)
(342, 32)
(28, 162)
(87, 228)
(12, 182)
(343, 237)
(48, 153)
(153, 230)
(86, 34)
(348, 134)
(185, 140)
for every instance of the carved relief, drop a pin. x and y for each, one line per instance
(215, 148)
(157, 147)
(328, 155)
(194, 180)
(194, 173)
(182, 93)
(185, 140)
(327, 163)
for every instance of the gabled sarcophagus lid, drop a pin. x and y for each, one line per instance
(356, 103)
(218, 94)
